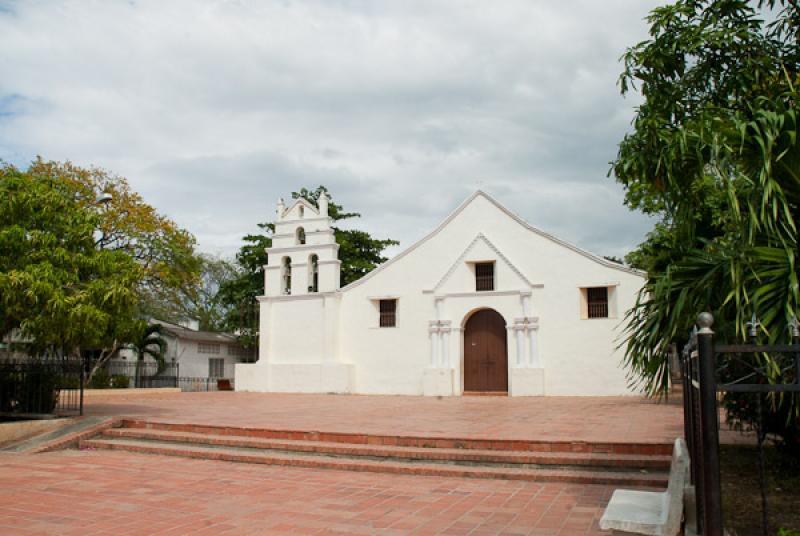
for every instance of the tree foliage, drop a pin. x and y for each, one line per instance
(238, 294)
(359, 254)
(204, 303)
(59, 290)
(714, 153)
(126, 223)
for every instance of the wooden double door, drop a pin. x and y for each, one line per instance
(485, 352)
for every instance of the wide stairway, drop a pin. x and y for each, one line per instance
(619, 464)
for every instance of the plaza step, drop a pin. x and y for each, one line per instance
(466, 456)
(554, 461)
(648, 449)
(318, 461)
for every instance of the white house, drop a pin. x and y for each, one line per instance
(484, 303)
(192, 354)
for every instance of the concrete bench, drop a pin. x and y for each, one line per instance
(651, 512)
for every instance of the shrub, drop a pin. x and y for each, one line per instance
(120, 381)
(100, 380)
(69, 382)
(31, 388)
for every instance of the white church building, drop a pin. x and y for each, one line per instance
(484, 304)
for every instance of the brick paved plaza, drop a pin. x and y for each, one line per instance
(630, 419)
(114, 492)
(71, 492)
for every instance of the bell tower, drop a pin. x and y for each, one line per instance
(304, 255)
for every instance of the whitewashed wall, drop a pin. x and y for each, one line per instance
(310, 339)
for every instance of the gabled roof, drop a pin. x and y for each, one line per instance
(464, 205)
(182, 332)
(300, 201)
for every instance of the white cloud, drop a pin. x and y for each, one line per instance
(214, 110)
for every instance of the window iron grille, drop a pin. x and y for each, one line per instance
(388, 313)
(597, 301)
(484, 276)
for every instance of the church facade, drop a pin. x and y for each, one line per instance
(484, 304)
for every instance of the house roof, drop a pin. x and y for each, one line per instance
(183, 332)
(518, 219)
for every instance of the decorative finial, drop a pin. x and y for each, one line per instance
(705, 320)
(752, 326)
(280, 209)
(795, 327)
(323, 204)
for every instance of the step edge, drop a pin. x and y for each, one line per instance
(439, 471)
(578, 458)
(346, 437)
(169, 449)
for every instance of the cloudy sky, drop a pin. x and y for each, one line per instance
(213, 110)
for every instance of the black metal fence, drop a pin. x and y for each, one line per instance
(748, 370)
(41, 387)
(141, 374)
(146, 375)
(56, 386)
(204, 384)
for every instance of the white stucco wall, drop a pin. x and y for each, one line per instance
(537, 291)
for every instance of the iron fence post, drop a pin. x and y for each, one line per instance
(794, 326)
(83, 366)
(712, 492)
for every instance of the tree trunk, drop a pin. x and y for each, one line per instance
(105, 355)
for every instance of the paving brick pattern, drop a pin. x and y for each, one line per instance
(93, 492)
(598, 419)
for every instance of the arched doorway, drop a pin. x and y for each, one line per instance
(485, 352)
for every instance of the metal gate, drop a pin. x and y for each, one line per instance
(709, 369)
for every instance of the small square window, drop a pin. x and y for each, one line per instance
(484, 276)
(388, 313)
(597, 302)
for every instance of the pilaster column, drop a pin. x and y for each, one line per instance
(526, 304)
(433, 331)
(533, 346)
(439, 331)
(438, 305)
(445, 355)
(526, 329)
(520, 334)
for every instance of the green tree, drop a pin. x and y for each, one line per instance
(713, 152)
(126, 223)
(168, 266)
(359, 254)
(238, 294)
(199, 299)
(59, 290)
(204, 302)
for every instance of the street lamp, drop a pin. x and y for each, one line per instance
(103, 198)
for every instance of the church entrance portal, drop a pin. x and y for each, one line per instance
(485, 352)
